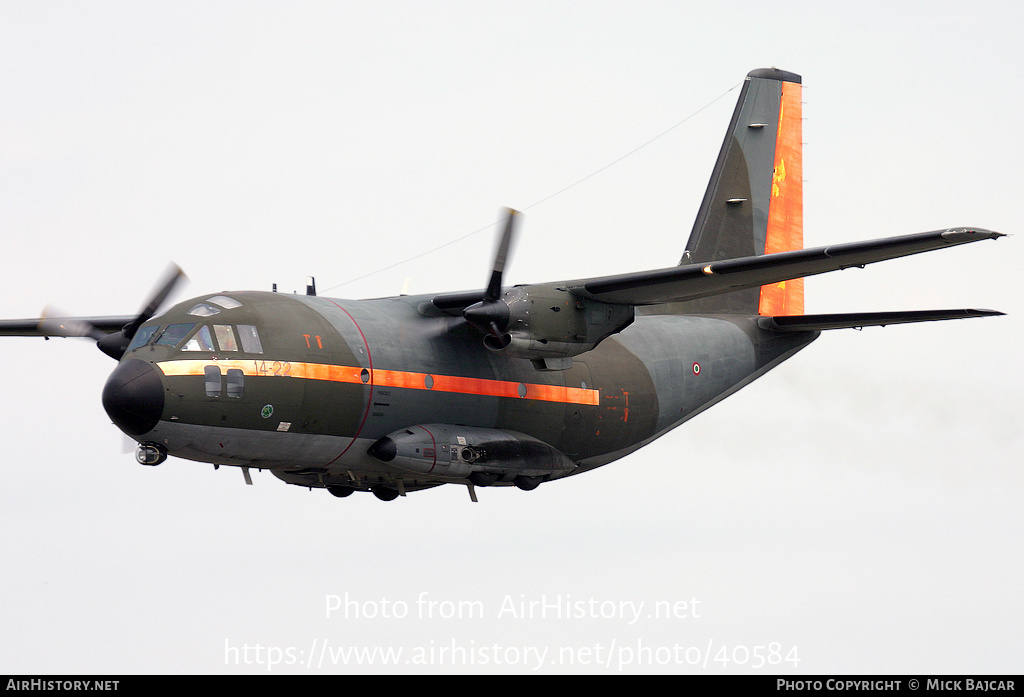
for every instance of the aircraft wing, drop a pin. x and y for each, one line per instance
(63, 326)
(690, 281)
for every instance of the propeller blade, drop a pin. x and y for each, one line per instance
(57, 323)
(501, 256)
(491, 314)
(115, 344)
(112, 333)
(172, 277)
(488, 313)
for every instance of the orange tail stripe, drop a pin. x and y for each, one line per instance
(786, 204)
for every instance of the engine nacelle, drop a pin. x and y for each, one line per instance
(549, 322)
(461, 451)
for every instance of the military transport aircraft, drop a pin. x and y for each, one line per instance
(506, 385)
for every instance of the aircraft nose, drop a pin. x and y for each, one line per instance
(134, 396)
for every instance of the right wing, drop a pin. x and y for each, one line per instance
(64, 326)
(693, 281)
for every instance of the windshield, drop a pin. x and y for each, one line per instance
(174, 334)
(143, 336)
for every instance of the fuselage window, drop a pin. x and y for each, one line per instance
(225, 337)
(174, 333)
(200, 341)
(203, 310)
(225, 302)
(250, 338)
(236, 383)
(213, 380)
(142, 337)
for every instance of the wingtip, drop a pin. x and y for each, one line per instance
(970, 234)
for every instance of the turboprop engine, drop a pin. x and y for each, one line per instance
(544, 323)
(549, 323)
(482, 455)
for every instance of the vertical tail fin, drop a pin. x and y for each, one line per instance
(754, 201)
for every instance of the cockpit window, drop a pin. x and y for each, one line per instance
(142, 337)
(174, 333)
(225, 337)
(250, 338)
(200, 341)
(225, 302)
(203, 338)
(203, 310)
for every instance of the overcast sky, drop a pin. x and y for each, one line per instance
(858, 510)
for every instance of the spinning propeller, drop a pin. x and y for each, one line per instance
(112, 336)
(491, 314)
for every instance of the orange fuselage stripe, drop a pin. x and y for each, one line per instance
(389, 378)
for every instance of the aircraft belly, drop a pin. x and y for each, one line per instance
(246, 447)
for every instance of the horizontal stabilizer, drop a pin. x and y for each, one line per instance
(701, 280)
(858, 320)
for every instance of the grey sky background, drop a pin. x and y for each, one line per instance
(858, 510)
